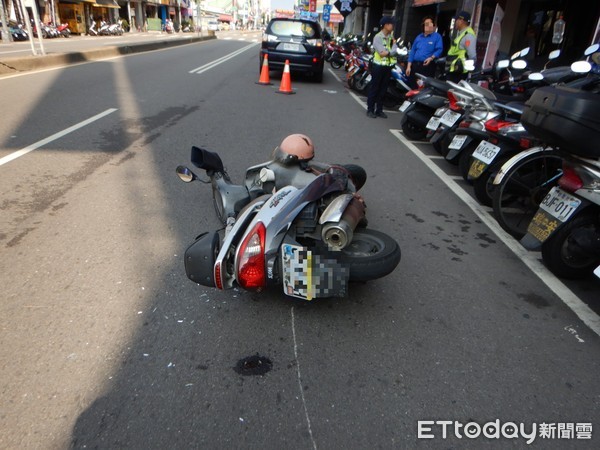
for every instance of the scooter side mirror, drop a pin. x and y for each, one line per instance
(554, 54)
(536, 76)
(519, 64)
(185, 174)
(503, 64)
(581, 67)
(592, 49)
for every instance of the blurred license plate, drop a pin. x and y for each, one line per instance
(449, 118)
(291, 47)
(368, 79)
(404, 105)
(457, 141)
(433, 123)
(486, 152)
(559, 204)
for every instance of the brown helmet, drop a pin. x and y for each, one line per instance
(294, 148)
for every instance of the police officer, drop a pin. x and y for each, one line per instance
(383, 61)
(462, 48)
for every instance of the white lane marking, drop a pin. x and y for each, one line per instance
(55, 136)
(300, 381)
(221, 60)
(589, 317)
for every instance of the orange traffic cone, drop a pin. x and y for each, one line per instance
(286, 81)
(264, 72)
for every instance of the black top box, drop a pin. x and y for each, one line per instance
(566, 118)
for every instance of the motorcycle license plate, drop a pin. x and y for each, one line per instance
(404, 106)
(555, 209)
(433, 123)
(486, 152)
(307, 275)
(449, 118)
(440, 111)
(559, 204)
(457, 141)
(597, 272)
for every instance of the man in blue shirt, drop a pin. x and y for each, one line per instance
(426, 48)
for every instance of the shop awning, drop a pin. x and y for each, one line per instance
(106, 4)
(225, 18)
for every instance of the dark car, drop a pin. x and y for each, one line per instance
(297, 40)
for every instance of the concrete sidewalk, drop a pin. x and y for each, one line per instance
(79, 49)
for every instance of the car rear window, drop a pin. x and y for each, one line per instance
(294, 28)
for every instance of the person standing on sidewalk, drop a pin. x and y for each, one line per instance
(383, 61)
(462, 48)
(426, 48)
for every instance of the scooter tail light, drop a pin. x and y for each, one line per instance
(453, 101)
(251, 265)
(412, 93)
(570, 181)
(218, 280)
(494, 125)
(524, 143)
(464, 124)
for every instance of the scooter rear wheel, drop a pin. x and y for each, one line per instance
(413, 131)
(560, 259)
(371, 254)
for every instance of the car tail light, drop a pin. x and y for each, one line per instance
(494, 125)
(570, 181)
(453, 101)
(251, 264)
(218, 280)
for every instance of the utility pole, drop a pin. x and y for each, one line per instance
(36, 17)
(6, 36)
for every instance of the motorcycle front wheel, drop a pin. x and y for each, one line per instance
(371, 254)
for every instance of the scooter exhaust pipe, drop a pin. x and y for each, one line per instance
(337, 235)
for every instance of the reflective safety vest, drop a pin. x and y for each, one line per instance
(385, 60)
(456, 54)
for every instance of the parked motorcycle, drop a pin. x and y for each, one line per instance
(567, 223)
(526, 178)
(294, 223)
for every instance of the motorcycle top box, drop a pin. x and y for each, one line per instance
(565, 118)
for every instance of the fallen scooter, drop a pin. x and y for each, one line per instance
(294, 223)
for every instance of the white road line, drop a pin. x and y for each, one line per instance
(300, 380)
(55, 136)
(216, 62)
(531, 259)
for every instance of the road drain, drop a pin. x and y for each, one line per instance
(253, 365)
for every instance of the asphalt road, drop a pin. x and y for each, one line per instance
(107, 344)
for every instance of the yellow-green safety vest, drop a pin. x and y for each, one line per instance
(385, 60)
(456, 53)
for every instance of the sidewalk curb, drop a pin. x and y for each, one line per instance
(29, 63)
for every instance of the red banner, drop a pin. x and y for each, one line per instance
(312, 6)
